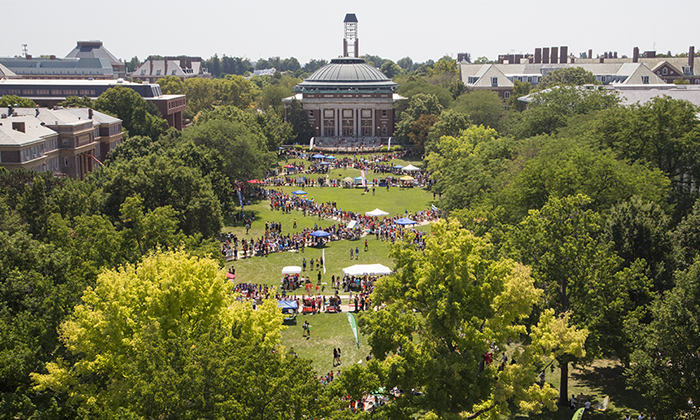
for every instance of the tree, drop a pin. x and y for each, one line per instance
(569, 76)
(405, 63)
(171, 85)
(482, 106)
(578, 273)
(482, 60)
(77, 102)
(390, 69)
(420, 129)
(450, 123)
(12, 100)
(666, 363)
(420, 104)
(443, 311)
(299, 120)
(161, 181)
(414, 85)
(551, 110)
(519, 89)
(166, 338)
(444, 65)
(138, 117)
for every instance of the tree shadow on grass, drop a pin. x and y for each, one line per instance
(608, 379)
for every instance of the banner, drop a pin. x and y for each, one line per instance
(240, 198)
(364, 181)
(323, 256)
(602, 406)
(353, 325)
(578, 415)
(311, 144)
(389, 146)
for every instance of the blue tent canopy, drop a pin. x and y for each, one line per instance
(397, 167)
(331, 157)
(405, 221)
(287, 304)
(358, 178)
(320, 234)
(299, 192)
(318, 156)
(325, 163)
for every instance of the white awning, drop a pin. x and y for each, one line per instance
(291, 269)
(370, 269)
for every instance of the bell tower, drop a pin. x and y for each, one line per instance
(351, 42)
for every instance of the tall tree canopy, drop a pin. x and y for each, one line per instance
(443, 311)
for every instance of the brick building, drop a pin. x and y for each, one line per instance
(63, 141)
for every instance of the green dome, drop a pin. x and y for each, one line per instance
(344, 74)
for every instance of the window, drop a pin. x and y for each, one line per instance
(173, 73)
(697, 81)
(494, 81)
(603, 79)
(311, 113)
(65, 161)
(383, 112)
(158, 72)
(645, 80)
(143, 72)
(506, 95)
(686, 70)
(664, 71)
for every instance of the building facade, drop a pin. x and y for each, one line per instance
(95, 49)
(182, 67)
(348, 98)
(64, 141)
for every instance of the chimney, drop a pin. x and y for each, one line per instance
(166, 66)
(90, 113)
(615, 54)
(691, 58)
(18, 125)
(545, 55)
(52, 57)
(538, 55)
(563, 54)
(555, 55)
(36, 112)
(29, 56)
(635, 55)
(150, 59)
(590, 54)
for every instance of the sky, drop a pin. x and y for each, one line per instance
(313, 29)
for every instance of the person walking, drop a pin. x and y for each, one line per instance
(351, 254)
(357, 253)
(366, 246)
(303, 264)
(339, 361)
(335, 357)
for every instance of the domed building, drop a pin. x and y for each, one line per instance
(348, 100)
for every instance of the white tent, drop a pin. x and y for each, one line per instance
(376, 212)
(363, 269)
(291, 269)
(352, 224)
(410, 168)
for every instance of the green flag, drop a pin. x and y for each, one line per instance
(578, 415)
(353, 325)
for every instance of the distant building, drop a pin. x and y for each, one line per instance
(57, 68)
(183, 67)
(501, 78)
(49, 93)
(63, 141)
(348, 98)
(95, 49)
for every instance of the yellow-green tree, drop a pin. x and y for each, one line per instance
(444, 310)
(170, 321)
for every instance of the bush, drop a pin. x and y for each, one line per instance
(298, 147)
(383, 149)
(396, 148)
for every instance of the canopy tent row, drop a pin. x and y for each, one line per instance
(411, 168)
(367, 269)
(320, 234)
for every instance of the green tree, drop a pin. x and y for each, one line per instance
(12, 100)
(578, 273)
(443, 310)
(666, 362)
(519, 89)
(450, 123)
(569, 76)
(483, 60)
(171, 85)
(77, 102)
(138, 117)
(405, 63)
(419, 105)
(390, 69)
(299, 120)
(168, 322)
(416, 85)
(163, 181)
(552, 110)
(482, 106)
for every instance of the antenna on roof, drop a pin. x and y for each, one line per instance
(24, 50)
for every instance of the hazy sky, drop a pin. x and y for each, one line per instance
(306, 29)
